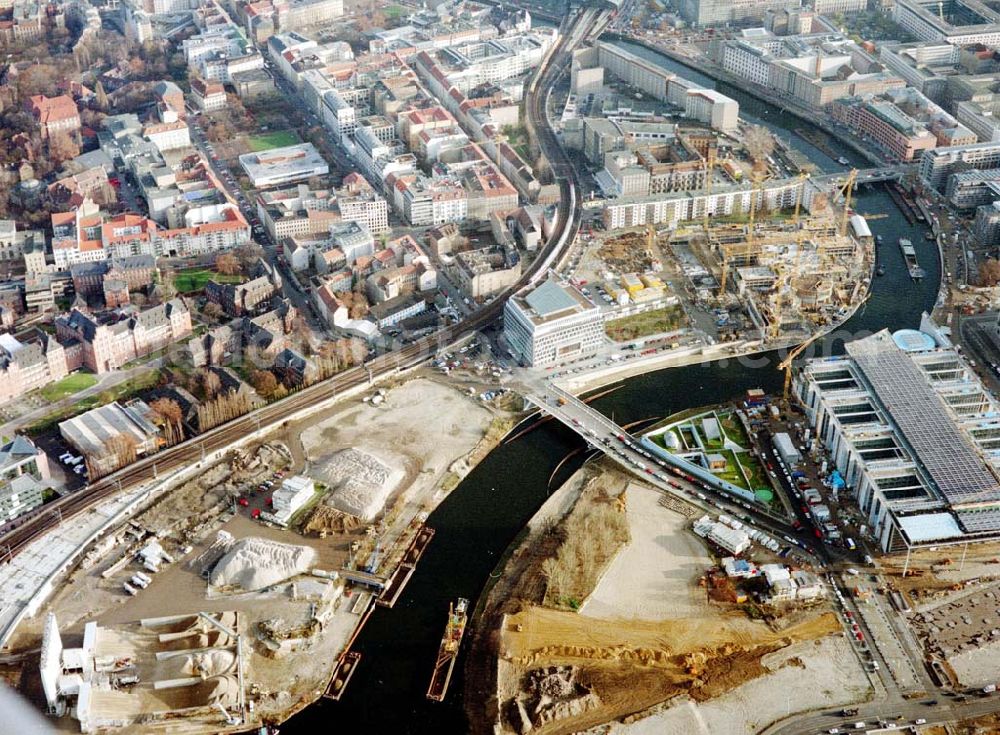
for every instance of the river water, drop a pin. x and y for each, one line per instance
(480, 518)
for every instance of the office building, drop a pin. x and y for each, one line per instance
(286, 165)
(938, 164)
(550, 323)
(911, 430)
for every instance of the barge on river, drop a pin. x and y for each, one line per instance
(910, 256)
(448, 652)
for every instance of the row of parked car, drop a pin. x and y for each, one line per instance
(75, 462)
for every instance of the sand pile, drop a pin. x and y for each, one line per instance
(360, 482)
(256, 563)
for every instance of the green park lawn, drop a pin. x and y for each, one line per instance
(277, 139)
(68, 386)
(195, 279)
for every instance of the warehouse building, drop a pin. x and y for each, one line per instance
(111, 436)
(551, 323)
(913, 432)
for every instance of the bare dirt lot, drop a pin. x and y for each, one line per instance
(806, 675)
(656, 575)
(633, 665)
(424, 428)
(648, 634)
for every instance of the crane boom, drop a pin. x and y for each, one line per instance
(786, 364)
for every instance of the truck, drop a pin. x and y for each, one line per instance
(849, 712)
(137, 581)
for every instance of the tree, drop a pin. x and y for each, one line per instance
(759, 144)
(167, 414)
(211, 385)
(227, 264)
(62, 147)
(122, 449)
(102, 97)
(989, 272)
(264, 382)
(213, 311)
(248, 254)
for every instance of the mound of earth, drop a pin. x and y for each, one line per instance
(360, 483)
(255, 563)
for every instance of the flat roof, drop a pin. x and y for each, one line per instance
(929, 527)
(921, 418)
(549, 298)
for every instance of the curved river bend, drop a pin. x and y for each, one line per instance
(480, 518)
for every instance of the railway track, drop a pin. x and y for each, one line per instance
(149, 468)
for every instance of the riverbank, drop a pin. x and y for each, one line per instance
(743, 352)
(646, 634)
(426, 447)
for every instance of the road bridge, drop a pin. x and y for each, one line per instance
(672, 474)
(865, 175)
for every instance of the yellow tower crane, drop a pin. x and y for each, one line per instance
(709, 167)
(786, 364)
(751, 242)
(847, 190)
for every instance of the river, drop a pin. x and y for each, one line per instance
(480, 518)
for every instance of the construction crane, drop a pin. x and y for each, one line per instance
(750, 247)
(786, 364)
(758, 188)
(709, 167)
(847, 190)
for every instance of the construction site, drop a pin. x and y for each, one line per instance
(278, 571)
(632, 632)
(765, 273)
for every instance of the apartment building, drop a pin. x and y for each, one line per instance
(987, 223)
(54, 114)
(24, 470)
(29, 361)
(208, 95)
(938, 164)
(487, 272)
(357, 201)
(136, 272)
(108, 345)
(423, 201)
(673, 208)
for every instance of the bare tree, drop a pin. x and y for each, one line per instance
(265, 383)
(211, 385)
(168, 415)
(759, 144)
(227, 264)
(989, 272)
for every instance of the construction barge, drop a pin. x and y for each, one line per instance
(342, 673)
(910, 256)
(822, 142)
(398, 579)
(905, 204)
(451, 641)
